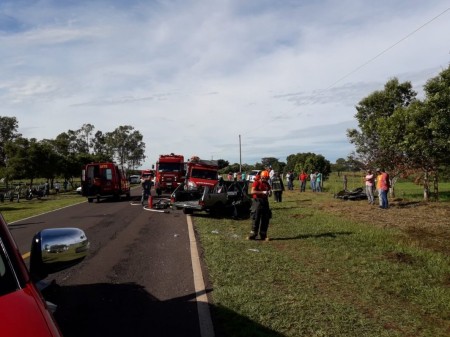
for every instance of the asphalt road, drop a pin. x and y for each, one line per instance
(137, 279)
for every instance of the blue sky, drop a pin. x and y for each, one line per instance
(192, 76)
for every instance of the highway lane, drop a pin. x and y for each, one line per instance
(137, 279)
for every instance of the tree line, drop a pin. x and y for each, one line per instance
(295, 163)
(64, 156)
(404, 134)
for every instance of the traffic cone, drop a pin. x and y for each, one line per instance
(150, 202)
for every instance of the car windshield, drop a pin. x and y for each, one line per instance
(170, 167)
(204, 174)
(8, 283)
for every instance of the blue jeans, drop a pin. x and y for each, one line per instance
(384, 199)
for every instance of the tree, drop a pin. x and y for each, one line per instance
(346, 165)
(308, 162)
(101, 150)
(421, 131)
(222, 163)
(371, 110)
(86, 133)
(8, 132)
(126, 145)
(373, 114)
(403, 134)
(24, 159)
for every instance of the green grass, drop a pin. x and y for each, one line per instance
(321, 275)
(13, 210)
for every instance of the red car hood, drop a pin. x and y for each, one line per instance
(24, 315)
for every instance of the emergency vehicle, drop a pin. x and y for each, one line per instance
(104, 180)
(169, 172)
(201, 173)
(147, 174)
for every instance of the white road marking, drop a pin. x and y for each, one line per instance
(204, 315)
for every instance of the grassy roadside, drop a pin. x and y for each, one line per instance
(333, 268)
(13, 211)
(326, 273)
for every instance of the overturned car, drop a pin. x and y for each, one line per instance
(356, 194)
(225, 198)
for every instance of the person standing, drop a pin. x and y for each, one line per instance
(291, 181)
(271, 174)
(146, 189)
(47, 189)
(384, 187)
(277, 187)
(303, 178)
(57, 187)
(288, 175)
(318, 182)
(260, 210)
(370, 179)
(312, 178)
(378, 184)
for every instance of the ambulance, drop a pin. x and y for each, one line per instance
(104, 181)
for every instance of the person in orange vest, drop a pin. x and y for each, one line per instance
(260, 210)
(385, 185)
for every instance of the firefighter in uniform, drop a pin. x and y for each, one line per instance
(260, 210)
(146, 189)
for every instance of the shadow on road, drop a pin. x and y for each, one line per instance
(117, 310)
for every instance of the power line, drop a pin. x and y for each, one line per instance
(367, 62)
(361, 66)
(387, 49)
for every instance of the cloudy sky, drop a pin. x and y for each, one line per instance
(194, 75)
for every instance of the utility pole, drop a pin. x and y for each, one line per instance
(240, 155)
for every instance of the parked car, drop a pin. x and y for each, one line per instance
(251, 175)
(135, 179)
(23, 310)
(79, 190)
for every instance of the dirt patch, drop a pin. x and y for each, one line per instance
(400, 257)
(426, 224)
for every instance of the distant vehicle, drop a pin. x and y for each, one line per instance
(104, 180)
(147, 174)
(79, 190)
(252, 174)
(169, 172)
(24, 312)
(135, 179)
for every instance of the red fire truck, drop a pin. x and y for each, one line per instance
(147, 174)
(201, 173)
(169, 172)
(104, 180)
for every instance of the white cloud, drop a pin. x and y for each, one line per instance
(193, 75)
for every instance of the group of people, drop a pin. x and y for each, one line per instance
(236, 176)
(315, 180)
(382, 184)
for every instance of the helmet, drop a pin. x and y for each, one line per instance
(264, 174)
